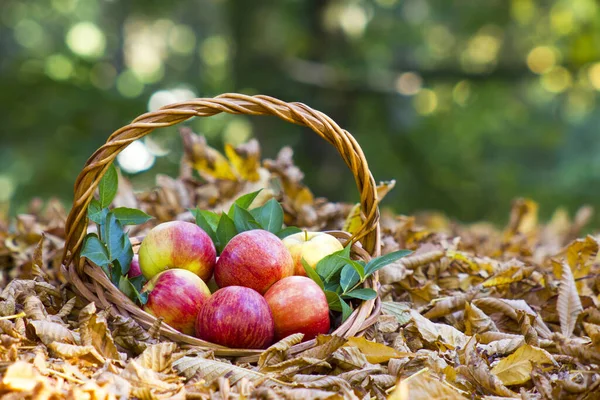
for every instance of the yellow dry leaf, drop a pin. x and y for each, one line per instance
(158, 357)
(245, 159)
(443, 334)
(209, 163)
(569, 304)
(20, 376)
(516, 368)
(87, 353)
(276, 352)
(49, 332)
(523, 218)
(383, 188)
(354, 220)
(375, 352)
(514, 273)
(424, 386)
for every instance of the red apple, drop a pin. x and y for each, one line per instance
(255, 259)
(298, 305)
(237, 317)
(176, 295)
(312, 246)
(134, 267)
(177, 244)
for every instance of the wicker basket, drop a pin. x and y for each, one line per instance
(91, 282)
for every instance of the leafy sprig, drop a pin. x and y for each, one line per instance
(110, 248)
(240, 218)
(341, 278)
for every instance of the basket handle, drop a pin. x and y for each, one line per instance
(297, 113)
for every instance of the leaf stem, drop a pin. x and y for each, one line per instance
(15, 316)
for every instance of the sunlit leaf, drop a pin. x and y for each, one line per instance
(516, 369)
(269, 216)
(332, 264)
(312, 274)
(108, 186)
(375, 352)
(130, 216)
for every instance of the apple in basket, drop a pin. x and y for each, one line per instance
(255, 259)
(312, 246)
(237, 317)
(176, 295)
(134, 267)
(177, 244)
(298, 305)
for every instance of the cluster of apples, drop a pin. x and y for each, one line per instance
(261, 292)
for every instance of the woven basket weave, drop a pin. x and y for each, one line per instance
(91, 282)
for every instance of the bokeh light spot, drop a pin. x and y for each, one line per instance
(58, 67)
(86, 40)
(214, 51)
(386, 3)
(557, 80)
(237, 131)
(541, 59)
(28, 33)
(7, 187)
(425, 102)
(522, 11)
(409, 83)
(182, 39)
(594, 75)
(129, 85)
(135, 158)
(353, 20)
(461, 93)
(162, 98)
(561, 19)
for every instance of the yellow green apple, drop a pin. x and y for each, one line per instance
(310, 246)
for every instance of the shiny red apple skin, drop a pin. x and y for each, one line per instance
(177, 295)
(298, 305)
(236, 317)
(177, 244)
(255, 259)
(134, 267)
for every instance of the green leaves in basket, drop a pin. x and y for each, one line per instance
(341, 277)
(108, 186)
(110, 248)
(222, 227)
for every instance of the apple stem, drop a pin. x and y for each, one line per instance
(305, 235)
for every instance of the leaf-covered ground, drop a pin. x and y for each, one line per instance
(475, 312)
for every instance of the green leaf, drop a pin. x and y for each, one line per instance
(243, 220)
(362, 294)
(380, 262)
(334, 300)
(108, 186)
(131, 216)
(336, 303)
(138, 282)
(129, 288)
(112, 236)
(96, 213)
(208, 221)
(95, 251)
(225, 231)
(330, 265)
(269, 216)
(243, 201)
(126, 255)
(348, 278)
(359, 268)
(346, 310)
(116, 273)
(290, 230)
(312, 274)
(332, 286)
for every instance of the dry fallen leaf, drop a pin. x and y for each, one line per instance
(375, 353)
(569, 305)
(516, 369)
(424, 386)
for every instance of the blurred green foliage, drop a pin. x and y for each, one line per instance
(466, 104)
